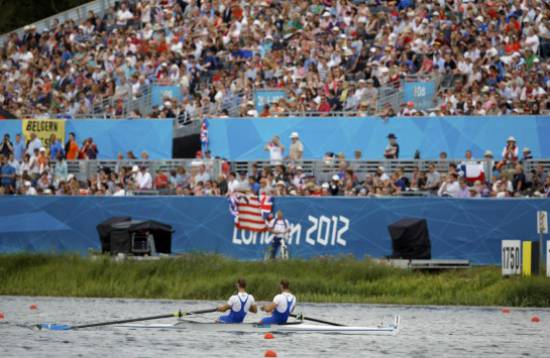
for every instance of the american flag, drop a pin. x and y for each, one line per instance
(250, 212)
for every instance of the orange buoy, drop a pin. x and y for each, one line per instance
(33, 307)
(268, 336)
(535, 319)
(505, 310)
(2, 316)
(270, 353)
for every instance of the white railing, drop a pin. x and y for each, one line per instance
(320, 169)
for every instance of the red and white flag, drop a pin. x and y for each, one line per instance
(473, 171)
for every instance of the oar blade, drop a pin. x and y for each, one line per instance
(54, 326)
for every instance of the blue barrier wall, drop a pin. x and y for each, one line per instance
(459, 229)
(11, 127)
(120, 136)
(429, 135)
(115, 136)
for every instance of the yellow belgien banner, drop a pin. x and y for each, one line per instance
(44, 128)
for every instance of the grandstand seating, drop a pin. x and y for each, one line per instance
(463, 58)
(271, 58)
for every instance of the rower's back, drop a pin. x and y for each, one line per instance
(242, 301)
(238, 305)
(285, 301)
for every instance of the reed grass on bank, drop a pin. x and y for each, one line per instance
(198, 276)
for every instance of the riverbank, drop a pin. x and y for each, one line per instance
(211, 277)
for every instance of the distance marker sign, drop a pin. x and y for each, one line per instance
(511, 257)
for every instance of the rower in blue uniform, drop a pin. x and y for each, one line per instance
(282, 306)
(238, 305)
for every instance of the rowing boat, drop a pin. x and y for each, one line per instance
(292, 327)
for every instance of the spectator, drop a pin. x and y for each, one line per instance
(144, 181)
(25, 167)
(232, 183)
(7, 173)
(88, 150)
(29, 190)
(161, 180)
(123, 15)
(34, 144)
(502, 187)
(519, 181)
(253, 185)
(34, 165)
(182, 179)
(296, 150)
(527, 155)
(280, 189)
(119, 190)
(19, 147)
(42, 161)
(276, 151)
(6, 146)
(55, 147)
(392, 150)
(450, 187)
(71, 147)
(509, 154)
(61, 170)
(381, 174)
(488, 163)
(266, 111)
(243, 181)
(14, 163)
(464, 190)
(44, 181)
(334, 185)
(202, 175)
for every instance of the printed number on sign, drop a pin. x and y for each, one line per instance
(419, 91)
(511, 260)
(327, 230)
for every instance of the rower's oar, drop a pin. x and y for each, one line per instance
(315, 320)
(66, 327)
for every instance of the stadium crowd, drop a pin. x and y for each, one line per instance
(487, 57)
(39, 174)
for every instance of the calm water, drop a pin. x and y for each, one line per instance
(426, 332)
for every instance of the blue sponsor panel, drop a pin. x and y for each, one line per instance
(153, 136)
(429, 135)
(459, 229)
(420, 93)
(159, 93)
(263, 97)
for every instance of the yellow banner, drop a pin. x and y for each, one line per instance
(44, 128)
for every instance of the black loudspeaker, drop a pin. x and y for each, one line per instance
(410, 239)
(104, 230)
(124, 235)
